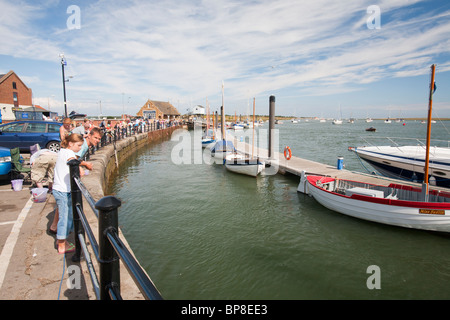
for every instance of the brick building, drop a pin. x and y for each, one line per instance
(158, 110)
(14, 94)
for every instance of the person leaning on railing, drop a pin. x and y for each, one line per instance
(92, 139)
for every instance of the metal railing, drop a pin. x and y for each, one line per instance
(116, 134)
(109, 248)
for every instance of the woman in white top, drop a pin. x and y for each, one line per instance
(61, 190)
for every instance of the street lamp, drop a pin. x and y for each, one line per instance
(63, 63)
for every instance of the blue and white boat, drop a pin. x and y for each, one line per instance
(408, 162)
(207, 142)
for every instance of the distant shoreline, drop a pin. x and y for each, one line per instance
(286, 118)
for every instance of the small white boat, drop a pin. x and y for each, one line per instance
(246, 166)
(336, 121)
(237, 126)
(397, 205)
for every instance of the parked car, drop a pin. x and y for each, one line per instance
(5, 162)
(26, 133)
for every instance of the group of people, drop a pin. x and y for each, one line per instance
(75, 142)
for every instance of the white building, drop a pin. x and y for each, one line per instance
(197, 110)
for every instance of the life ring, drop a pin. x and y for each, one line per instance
(287, 153)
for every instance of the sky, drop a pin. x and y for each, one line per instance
(323, 58)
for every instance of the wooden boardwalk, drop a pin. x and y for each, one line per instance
(296, 165)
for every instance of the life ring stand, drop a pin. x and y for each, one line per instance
(287, 153)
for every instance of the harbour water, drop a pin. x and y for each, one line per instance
(202, 232)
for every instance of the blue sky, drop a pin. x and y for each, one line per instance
(314, 56)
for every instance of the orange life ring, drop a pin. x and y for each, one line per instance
(287, 153)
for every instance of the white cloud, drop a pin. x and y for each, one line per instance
(184, 49)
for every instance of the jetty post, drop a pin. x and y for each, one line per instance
(271, 126)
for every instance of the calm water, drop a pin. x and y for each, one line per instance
(202, 232)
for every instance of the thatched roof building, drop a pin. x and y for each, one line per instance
(158, 109)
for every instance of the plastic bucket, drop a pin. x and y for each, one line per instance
(340, 163)
(39, 194)
(17, 184)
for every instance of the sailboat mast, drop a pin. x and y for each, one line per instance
(223, 118)
(207, 117)
(430, 105)
(253, 126)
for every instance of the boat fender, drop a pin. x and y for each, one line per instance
(287, 153)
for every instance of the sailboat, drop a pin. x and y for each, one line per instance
(396, 204)
(245, 165)
(223, 147)
(208, 139)
(338, 121)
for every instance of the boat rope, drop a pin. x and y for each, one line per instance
(362, 164)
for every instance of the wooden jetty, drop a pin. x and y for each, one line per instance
(296, 165)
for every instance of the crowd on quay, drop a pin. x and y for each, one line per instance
(76, 140)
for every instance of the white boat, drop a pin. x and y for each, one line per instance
(408, 162)
(294, 120)
(387, 120)
(336, 121)
(237, 126)
(369, 120)
(246, 166)
(397, 205)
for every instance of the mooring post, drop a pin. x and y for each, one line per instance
(271, 126)
(108, 222)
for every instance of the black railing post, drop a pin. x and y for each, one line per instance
(109, 261)
(77, 200)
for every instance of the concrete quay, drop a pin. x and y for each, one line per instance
(30, 266)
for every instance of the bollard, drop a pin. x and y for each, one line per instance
(271, 125)
(108, 222)
(340, 163)
(77, 200)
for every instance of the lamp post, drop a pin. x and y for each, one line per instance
(63, 63)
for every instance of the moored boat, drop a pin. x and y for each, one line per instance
(408, 162)
(246, 166)
(396, 204)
